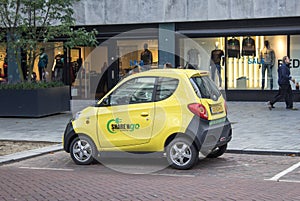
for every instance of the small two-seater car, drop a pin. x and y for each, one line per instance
(177, 112)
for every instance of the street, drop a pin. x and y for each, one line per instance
(231, 177)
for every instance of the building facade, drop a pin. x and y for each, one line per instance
(195, 29)
(182, 32)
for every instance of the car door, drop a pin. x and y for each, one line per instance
(128, 117)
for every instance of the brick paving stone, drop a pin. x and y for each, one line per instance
(81, 185)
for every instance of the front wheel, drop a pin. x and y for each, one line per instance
(182, 154)
(218, 151)
(83, 150)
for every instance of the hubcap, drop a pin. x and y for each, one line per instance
(82, 150)
(180, 153)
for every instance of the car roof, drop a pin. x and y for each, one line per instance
(172, 72)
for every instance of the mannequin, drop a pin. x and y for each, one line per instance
(146, 57)
(267, 57)
(43, 62)
(233, 48)
(58, 67)
(216, 56)
(248, 48)
(193, 57)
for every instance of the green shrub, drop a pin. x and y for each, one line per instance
(29, 85)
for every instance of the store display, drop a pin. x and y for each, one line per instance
(248, 47)
(193, 57)
(216, 57)
(267, 57)
(233, 48)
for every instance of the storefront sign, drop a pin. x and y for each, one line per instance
(295, 63)
(256, 61)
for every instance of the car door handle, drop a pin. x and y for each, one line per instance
(144, 114)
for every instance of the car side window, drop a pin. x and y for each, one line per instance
(137, 90)
(165, 88)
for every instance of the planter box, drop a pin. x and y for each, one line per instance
(35, 102)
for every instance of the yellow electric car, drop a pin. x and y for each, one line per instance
(178, 112)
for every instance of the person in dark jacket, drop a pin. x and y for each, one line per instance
(285, 89)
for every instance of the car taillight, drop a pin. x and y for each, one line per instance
(199, 110)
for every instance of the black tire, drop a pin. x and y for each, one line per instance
(219, 151)
(83, 150)
(182, 153)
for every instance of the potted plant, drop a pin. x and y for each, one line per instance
(26, 27)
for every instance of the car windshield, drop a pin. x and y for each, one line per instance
(205, 87)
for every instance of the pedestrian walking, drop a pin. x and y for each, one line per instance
(285, 89)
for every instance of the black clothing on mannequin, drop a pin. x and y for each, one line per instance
(216, 56)
(58, 68)
(248, 48)
(146, 56)
(233, 48)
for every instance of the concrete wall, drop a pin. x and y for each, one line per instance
(99, 12)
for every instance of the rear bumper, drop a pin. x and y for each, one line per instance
(207, 134)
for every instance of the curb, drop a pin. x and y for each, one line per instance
(29, 154)
(264, 152)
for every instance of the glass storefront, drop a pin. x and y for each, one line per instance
(295, 56)
(246, 67)
(244, 59)
(239, 59)
(93, 79)
(132, 53)
(52, 49)
(198, 53)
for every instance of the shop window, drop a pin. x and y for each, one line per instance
(132, 53)
(250, 65)
(206, 54)
(295, 57)
(242, 60)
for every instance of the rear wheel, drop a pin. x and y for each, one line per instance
(182, 154)
(219, 151)
(83, 150)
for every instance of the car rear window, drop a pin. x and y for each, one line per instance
(205, 87)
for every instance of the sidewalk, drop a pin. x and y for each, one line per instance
(256, 129)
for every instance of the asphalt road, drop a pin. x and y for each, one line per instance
(231, 177)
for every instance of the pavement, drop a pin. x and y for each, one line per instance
(256, 129)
